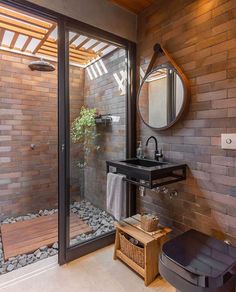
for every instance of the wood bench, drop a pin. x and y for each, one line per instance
(152, 242)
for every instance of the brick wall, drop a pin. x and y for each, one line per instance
(201, 37)
(28, 115)
(103, 94)
(76, 93)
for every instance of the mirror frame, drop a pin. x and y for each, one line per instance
(158, 49)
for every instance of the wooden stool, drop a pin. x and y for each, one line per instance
(152, 242)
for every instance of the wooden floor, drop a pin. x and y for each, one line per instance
(27, 236)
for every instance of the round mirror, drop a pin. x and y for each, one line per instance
(162, 97)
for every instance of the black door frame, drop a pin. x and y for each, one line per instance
(67, 254)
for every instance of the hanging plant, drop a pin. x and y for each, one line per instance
(83, 133)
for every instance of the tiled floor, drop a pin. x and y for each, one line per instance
(96, 272)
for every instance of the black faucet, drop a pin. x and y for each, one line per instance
(157, 154)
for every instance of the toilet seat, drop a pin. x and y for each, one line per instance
(200, 260)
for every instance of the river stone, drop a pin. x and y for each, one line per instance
(22, 262)
(55, 245)
(10, 267)
(38, 254)
(43, 248)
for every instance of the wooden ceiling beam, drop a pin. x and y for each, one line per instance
(44, 39)
(21, 31)
(14, 39)
(78, 61)
(26, 44)
(83, 53)
(44, 52)
(79, 52)
(24, 18)
(52, 43)
(74, 38)
(75, 54)
(52, 54)
(102, 49)
(2, 31)
(23, 25)
(94, 45)
(81, 56)
(83, 43)
(50, 49)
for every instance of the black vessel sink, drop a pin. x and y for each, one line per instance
(143, 162)
(146, 172)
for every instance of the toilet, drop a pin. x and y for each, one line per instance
(196, 262)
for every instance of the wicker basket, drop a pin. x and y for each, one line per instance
(149, 222)
(134, 252)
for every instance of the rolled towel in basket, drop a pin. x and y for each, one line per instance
(116, 195)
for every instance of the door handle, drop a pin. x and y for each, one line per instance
(62, 147)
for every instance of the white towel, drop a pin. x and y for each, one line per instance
(116, 195)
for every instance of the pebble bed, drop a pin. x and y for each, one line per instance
(100, 221)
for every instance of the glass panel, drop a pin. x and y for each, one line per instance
(98, 80)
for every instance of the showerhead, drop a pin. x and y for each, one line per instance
(41, 65)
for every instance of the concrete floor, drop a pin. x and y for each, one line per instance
(96, 272)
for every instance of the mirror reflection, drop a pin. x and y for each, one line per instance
(161, 97)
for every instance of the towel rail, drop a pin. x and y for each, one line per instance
(170, 178)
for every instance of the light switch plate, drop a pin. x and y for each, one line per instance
(228, 141)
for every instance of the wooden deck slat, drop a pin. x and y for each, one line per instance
(27, 236)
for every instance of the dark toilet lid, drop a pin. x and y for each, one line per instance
(200, 254)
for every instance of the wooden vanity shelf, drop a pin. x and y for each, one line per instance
(151, 242)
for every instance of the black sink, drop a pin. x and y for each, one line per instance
(137, 170)
(143, 162)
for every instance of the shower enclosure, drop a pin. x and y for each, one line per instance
(84, 114)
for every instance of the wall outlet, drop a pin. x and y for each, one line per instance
(228, 141)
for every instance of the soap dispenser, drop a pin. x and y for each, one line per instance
(139, 151)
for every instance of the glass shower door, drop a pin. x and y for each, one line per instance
(96, 131)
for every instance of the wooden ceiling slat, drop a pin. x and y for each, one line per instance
(102, 49)
(74, 38)
(25, 16)
(36, 28)
(81, 56)
(44, 38)
(23, 25)
(53, 54)
(14, 39)
(21, 31)
(79, 52)
(76, 61)
(94, 45)
(26, 44)
(83, 43)
(84, 53)
(50, 44)
(2, 31)
(41, 51)
(73, 53)
(50, 49)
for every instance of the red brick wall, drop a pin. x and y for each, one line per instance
(201, 37)
(28, 115)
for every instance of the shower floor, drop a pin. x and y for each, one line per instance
(37, 232)
(94, 221)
